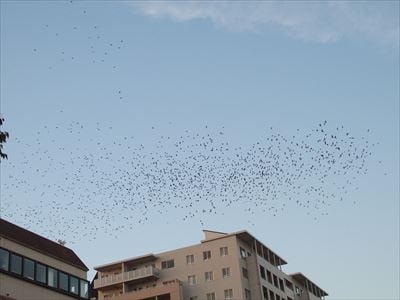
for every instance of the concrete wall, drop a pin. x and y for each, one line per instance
(200, 266)
(22, 290)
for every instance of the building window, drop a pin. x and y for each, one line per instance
(208, 276)
(298, 290)
(4, 259)
(226, 272)
(52, 277)
(223, 251)
(193, 298)
(210, 296)
(277, 297)
(167, 264)
(40, 273)
(281, 285)
(192, 279)
(245, 273)
(84, 289)
(262, 272)
(189, 259)
(276, 281)
(269, 276)
(289, 284)
(271, 295)
(265, 292)
(29, 269)
(63, 281)
(16, 264)
(242, 252)
(247, 294)
(228, 294)
(73, 285)
(207, 255)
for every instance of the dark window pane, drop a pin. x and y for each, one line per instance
(73, 285)
(4, 259)
(63, 281)
(84, 289)
(16, 264)
(52, 277)
(40, 273)
(29, 268)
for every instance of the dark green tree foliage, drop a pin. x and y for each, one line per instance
(3, 138)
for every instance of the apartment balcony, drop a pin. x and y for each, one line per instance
(139, 275)
(169, 290)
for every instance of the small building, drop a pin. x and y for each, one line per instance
(35, 268)
(223, 266)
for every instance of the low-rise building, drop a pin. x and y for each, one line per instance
(223, 266)
(35, 268)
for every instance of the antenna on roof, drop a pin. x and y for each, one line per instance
(61, 242)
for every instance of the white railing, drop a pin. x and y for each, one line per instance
(126, 276)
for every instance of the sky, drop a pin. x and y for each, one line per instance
(83, 83)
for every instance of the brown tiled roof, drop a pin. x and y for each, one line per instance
(41, 244)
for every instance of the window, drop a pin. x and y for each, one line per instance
(16, 264)
(29, 269)
(74, 285)
(277, 297)
(281, 285)
(193, 298)
(265, 293)
(242, 252)
(52, 277)
(223, 251)
(192, 279)
(167, 264)
(245, 273)
(262, 272)
(40, 273)
(208, 276)
(289, 284)
(298, 290)
(275, 281)
(271, 295)
(84, 289)
(207, 255)
(269, 276)
(189, 259)
(228, 294)
(63, 281)
(247, 294)
(4, 259)
(210, 296)
(226, 272)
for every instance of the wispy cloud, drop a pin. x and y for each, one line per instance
(320, 21)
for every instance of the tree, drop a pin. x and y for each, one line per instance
(3, 138)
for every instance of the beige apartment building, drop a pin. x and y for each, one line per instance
(35, 268)
(223, 266)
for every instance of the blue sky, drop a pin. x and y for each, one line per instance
(79, 76)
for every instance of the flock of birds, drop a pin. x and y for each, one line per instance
(96, 49)
(92, 180)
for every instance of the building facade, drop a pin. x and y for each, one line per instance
(222, 266)
(35, 268)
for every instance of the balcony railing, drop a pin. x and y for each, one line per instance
(127, 276)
